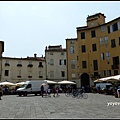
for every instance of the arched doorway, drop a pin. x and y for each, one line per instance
(85, 80)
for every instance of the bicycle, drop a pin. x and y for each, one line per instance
(82, 95)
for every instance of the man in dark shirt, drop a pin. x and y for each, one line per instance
(42, 90)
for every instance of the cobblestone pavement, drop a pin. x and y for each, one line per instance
(36, 107)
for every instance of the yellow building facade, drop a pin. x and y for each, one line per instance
(96, 50)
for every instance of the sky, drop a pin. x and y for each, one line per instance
(27, 27)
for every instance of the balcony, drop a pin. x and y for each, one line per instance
(19, 65)
(30, 65)
(29, 76)
(40, 66)
(115, 66)
(19, 76)
(40, 76)
(7, 64)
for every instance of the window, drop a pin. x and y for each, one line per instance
(102, 28)
(51, 73)
(28, 86)
(103, 73)
(51, 53)
(83, 48)
(96, 74)
(82, 35)
(95, 64)
(94, 47)
(29, 73)
(106, 39)
(102, 56)
(51, 62)
(115, 72)
(19, 72)
(72, 49)
(62, 62)
(7, 61)
(72, 42)
(62, 53)
(101, 41)
(73, 75)
(40, 74)
(107, 55)
(108, 29)
(40, 64)
(63, 73)
(84, 64)
(6, 72)
(72, 64)
(92, 23)
(93, 34)
(109, 72)
(116, 60)
(30, 62)
(114, 27)
(113, 43)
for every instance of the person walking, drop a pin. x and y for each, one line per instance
(1, 92)
(57, 90)
(54, 91)
(42, 90)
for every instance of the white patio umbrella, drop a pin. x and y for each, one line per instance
(20, 83)
(50, 82)
(98, 80)
(7, 83)
(66, 82)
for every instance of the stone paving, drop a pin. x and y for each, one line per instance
(62, 107)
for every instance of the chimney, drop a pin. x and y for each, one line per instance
(35, 55)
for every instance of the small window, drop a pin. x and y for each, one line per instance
(63, 73)
(93, 34)
(73, 75)
(113, 43)
(6, 72)
(94, 47)
(101, 41)
(72, 49)
(83, 48)
(62, 53)
(51, 53)
(92, 23)
(51, 62)
(102, 28)
(82, 35)
(72, 42)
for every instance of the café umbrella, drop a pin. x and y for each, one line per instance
(20, 83)
(51, 82)
(7, 83)
(66, 82)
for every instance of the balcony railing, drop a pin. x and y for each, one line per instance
(19, 76)
(19, 65)
(115, 66)
(30, 65)
(7, 64)
(29, 76)
(40, 66)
